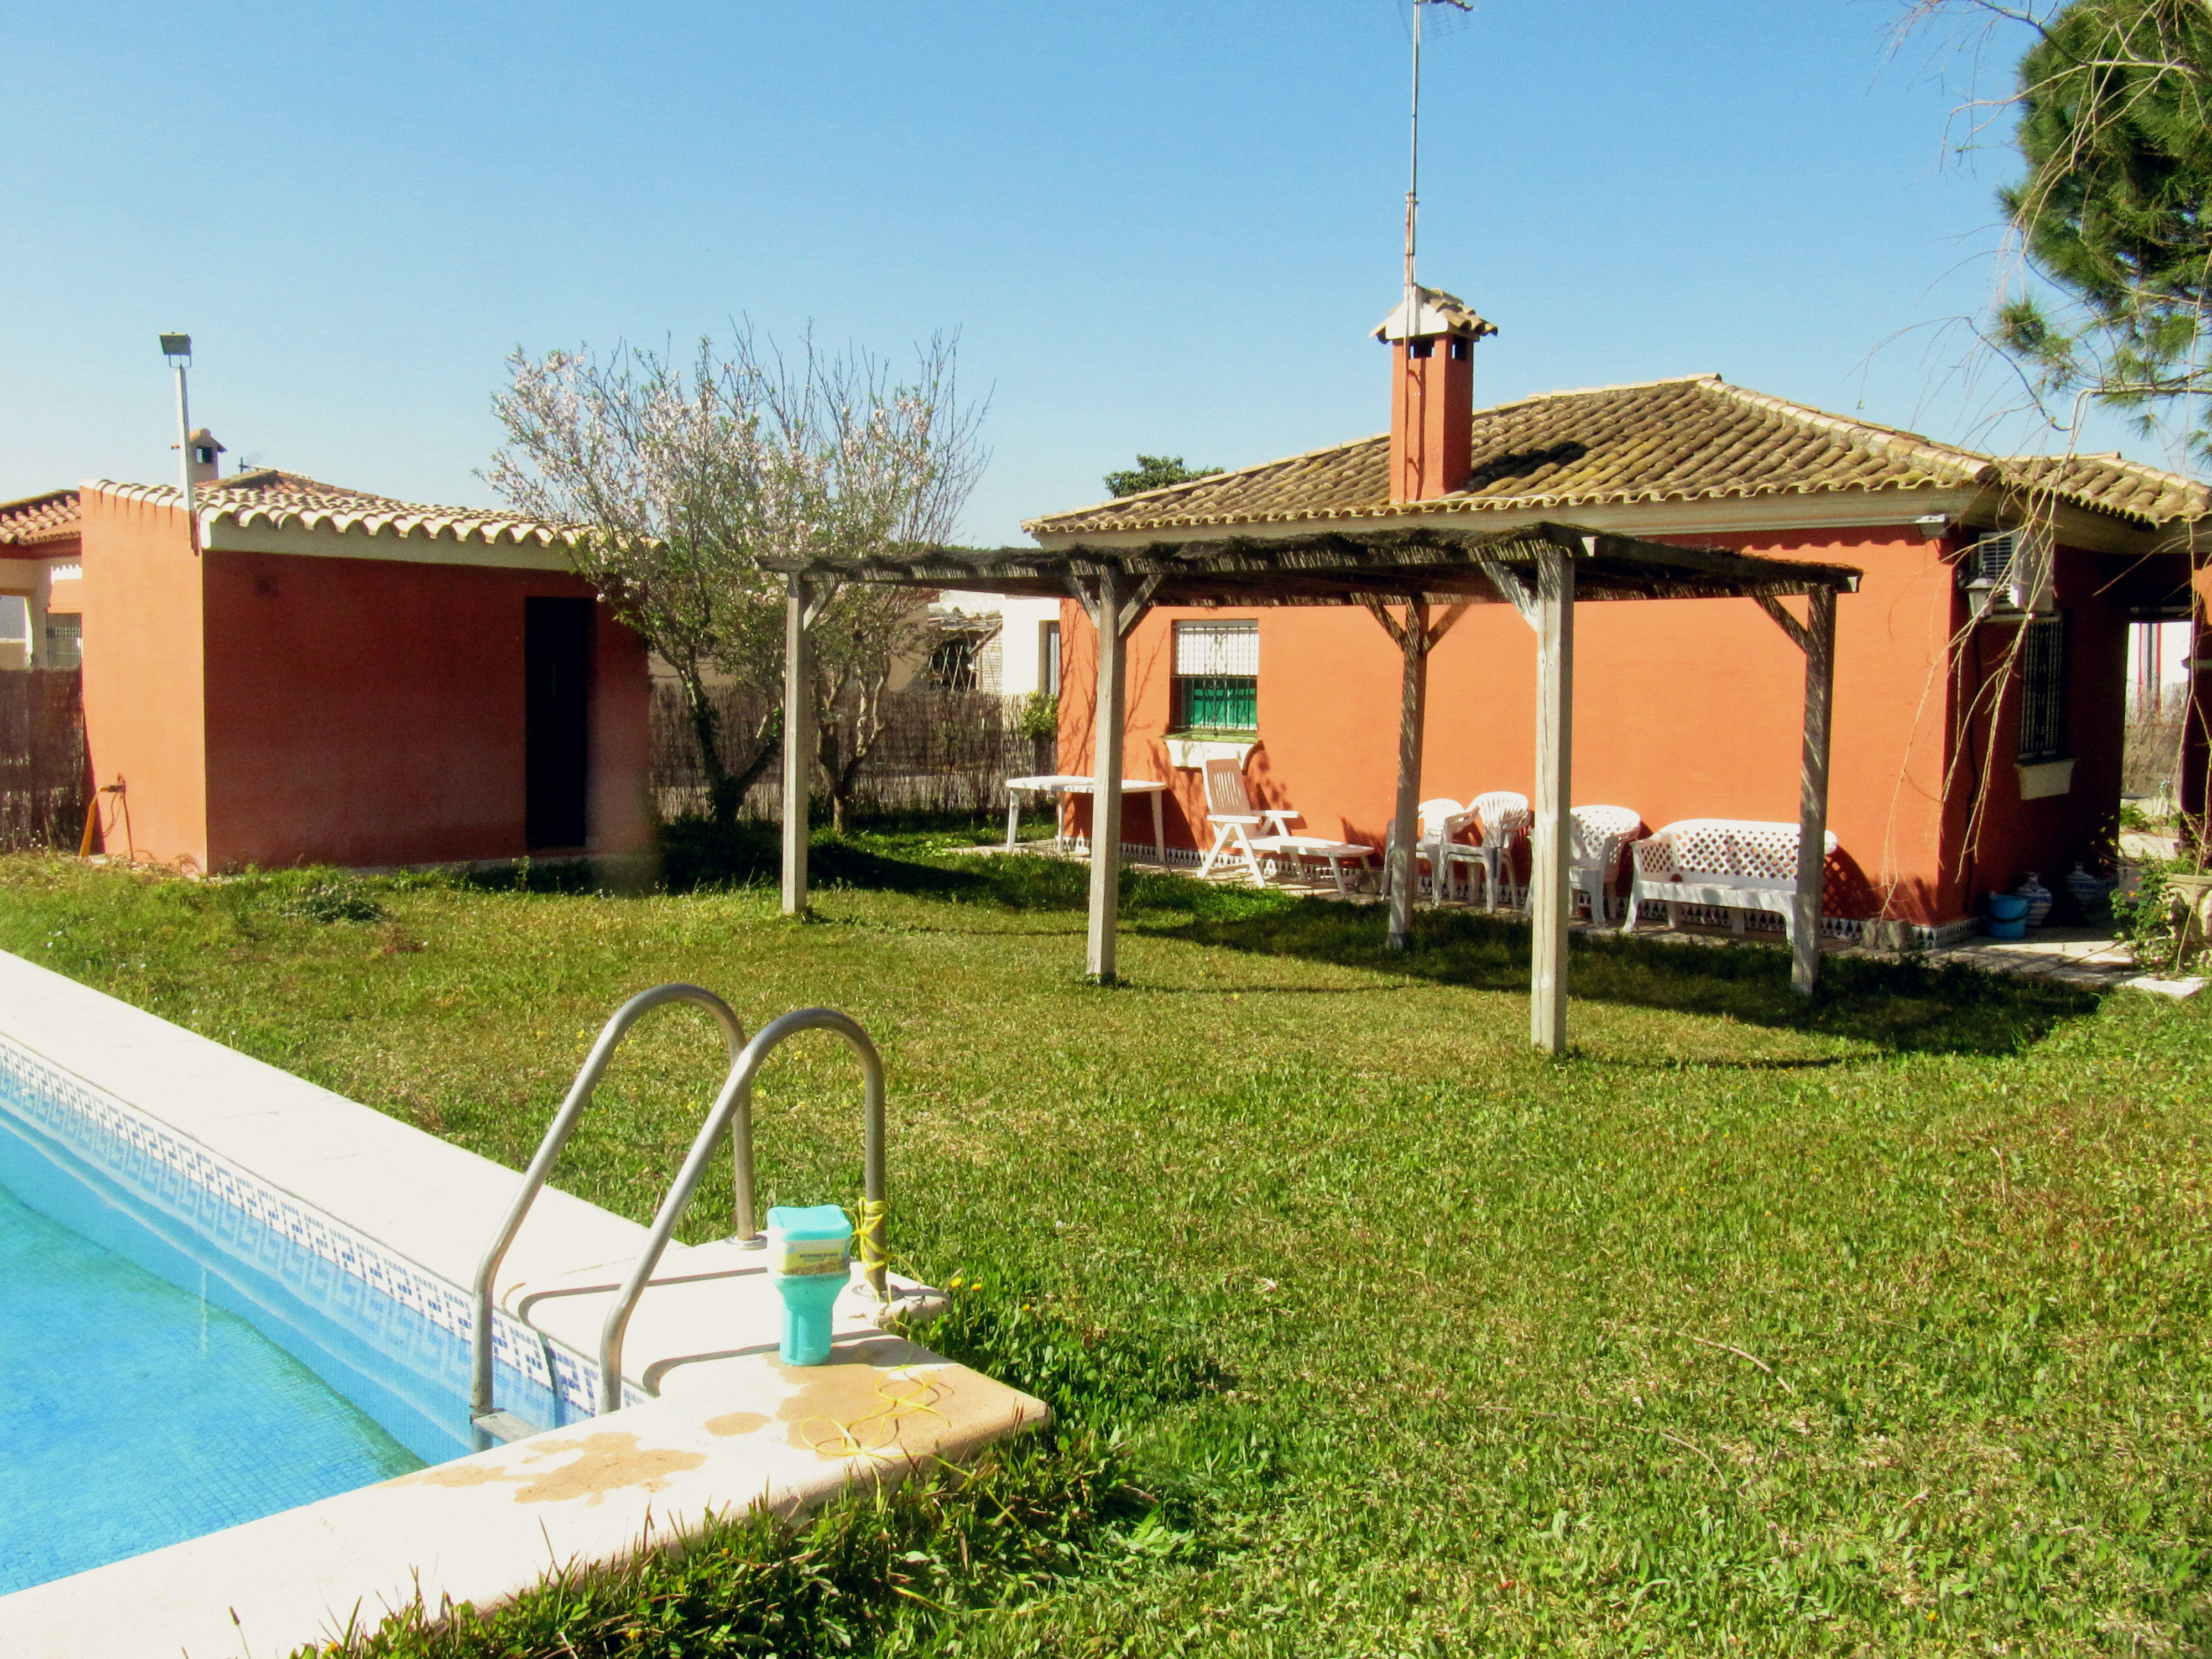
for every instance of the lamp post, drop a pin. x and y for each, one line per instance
(177, 349)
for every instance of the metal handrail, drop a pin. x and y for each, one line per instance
(556, 1137)
(735, 1102)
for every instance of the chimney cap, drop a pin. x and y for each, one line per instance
(1436, 313)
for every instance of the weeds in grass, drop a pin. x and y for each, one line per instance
(1414, 1340)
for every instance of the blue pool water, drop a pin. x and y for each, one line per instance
(174, 1366)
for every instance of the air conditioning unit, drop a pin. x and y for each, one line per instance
(2012, 570)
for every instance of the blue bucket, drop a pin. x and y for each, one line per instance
(2008, 917)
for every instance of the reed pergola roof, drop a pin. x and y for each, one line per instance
(1345, 566)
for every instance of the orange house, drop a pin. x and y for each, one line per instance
(1980, 680)
(306, 674)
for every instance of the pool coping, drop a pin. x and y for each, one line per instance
(409, 1213)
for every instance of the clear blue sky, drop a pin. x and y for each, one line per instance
(1156, 225)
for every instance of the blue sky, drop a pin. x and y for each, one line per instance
(1165, 227)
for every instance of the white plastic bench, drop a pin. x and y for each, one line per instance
(1722, 864)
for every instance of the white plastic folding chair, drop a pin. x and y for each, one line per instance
(1229, 809)
(1440, 823)
(1596, 838)
(1500, 818)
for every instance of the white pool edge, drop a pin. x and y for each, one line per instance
(408, 1213)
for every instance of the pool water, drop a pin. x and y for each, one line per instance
(174, 1365)
(139, 1414)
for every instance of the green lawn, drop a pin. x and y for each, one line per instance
(1873, 1326)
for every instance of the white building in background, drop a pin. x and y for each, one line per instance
(995, 642)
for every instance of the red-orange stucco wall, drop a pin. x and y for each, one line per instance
(144, 686)
(370, 711)
(1683, 708)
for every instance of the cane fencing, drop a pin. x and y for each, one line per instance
(44, 778)
(940, 751)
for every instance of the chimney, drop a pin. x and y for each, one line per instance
(1432, 394)
(201, 465)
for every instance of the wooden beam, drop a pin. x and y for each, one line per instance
(1514, 590)
(1547, 886)
(798, 739)
(1106, 734)
(1813, 792)
(1413, 711)
(1788, 623)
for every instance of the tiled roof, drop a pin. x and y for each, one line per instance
(51, 517)
(1698, 438)
(2127, 488)
(282, 500)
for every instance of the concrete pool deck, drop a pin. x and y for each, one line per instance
(734, 1428)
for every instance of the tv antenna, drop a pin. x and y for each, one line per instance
(1413, 167)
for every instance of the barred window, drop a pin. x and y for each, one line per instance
(1216, 676)
(65, 639)
(2043, 691)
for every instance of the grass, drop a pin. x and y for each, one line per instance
(1876, 1324)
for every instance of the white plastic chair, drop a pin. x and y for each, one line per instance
(1596, 838)
(1500, 820)
(1439, 822)
(1231, 812)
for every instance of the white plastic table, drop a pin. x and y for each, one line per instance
(1060, 785)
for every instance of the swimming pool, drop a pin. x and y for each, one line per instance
(178, 1363)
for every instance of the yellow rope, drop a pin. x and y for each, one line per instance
(868, 1234)
(928, 1390)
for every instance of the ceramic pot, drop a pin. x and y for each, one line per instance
(2040, 898)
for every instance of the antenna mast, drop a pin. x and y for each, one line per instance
(1413, 165)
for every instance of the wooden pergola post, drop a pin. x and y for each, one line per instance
(1413, 713)
(798, 740)
(1816, 637)
(1548, 897)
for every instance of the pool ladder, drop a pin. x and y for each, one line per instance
(732, 1114)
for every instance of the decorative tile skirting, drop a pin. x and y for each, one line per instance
(374, 1284)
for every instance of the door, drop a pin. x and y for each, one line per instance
(556, 722)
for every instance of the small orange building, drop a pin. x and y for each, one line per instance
(306, 674)
(1981, 669)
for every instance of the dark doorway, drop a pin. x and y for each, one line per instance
(556, 720)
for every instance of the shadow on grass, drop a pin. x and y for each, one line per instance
(1895, 1005)
(697, 856)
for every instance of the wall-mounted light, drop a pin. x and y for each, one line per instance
(1932, 526)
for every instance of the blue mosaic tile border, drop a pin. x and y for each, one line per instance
(247, 1216)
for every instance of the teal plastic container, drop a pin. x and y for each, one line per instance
(808, 1249)
(2008, 917)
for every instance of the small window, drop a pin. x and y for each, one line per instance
(64, 639)
(15, 631)
(953, 664)
(1216, 676)
(2043, 691)
(1048, 659)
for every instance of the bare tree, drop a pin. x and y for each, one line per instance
(665, 478)
(878, 463)
(678, 486)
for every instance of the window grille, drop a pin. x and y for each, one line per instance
(1216, 676)
(2043, 691)
(65, 639)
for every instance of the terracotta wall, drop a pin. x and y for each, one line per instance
(1683, 708)
(275, 710)
(144, 692)
(370, 711)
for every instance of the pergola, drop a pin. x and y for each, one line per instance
(1542, 570)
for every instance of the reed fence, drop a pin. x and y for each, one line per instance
(941, 752)
(44, 778)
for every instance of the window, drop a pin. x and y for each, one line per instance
(1216, 676)
(953, 664)
(64, 639)
(1048, 659)
(2043, 691)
